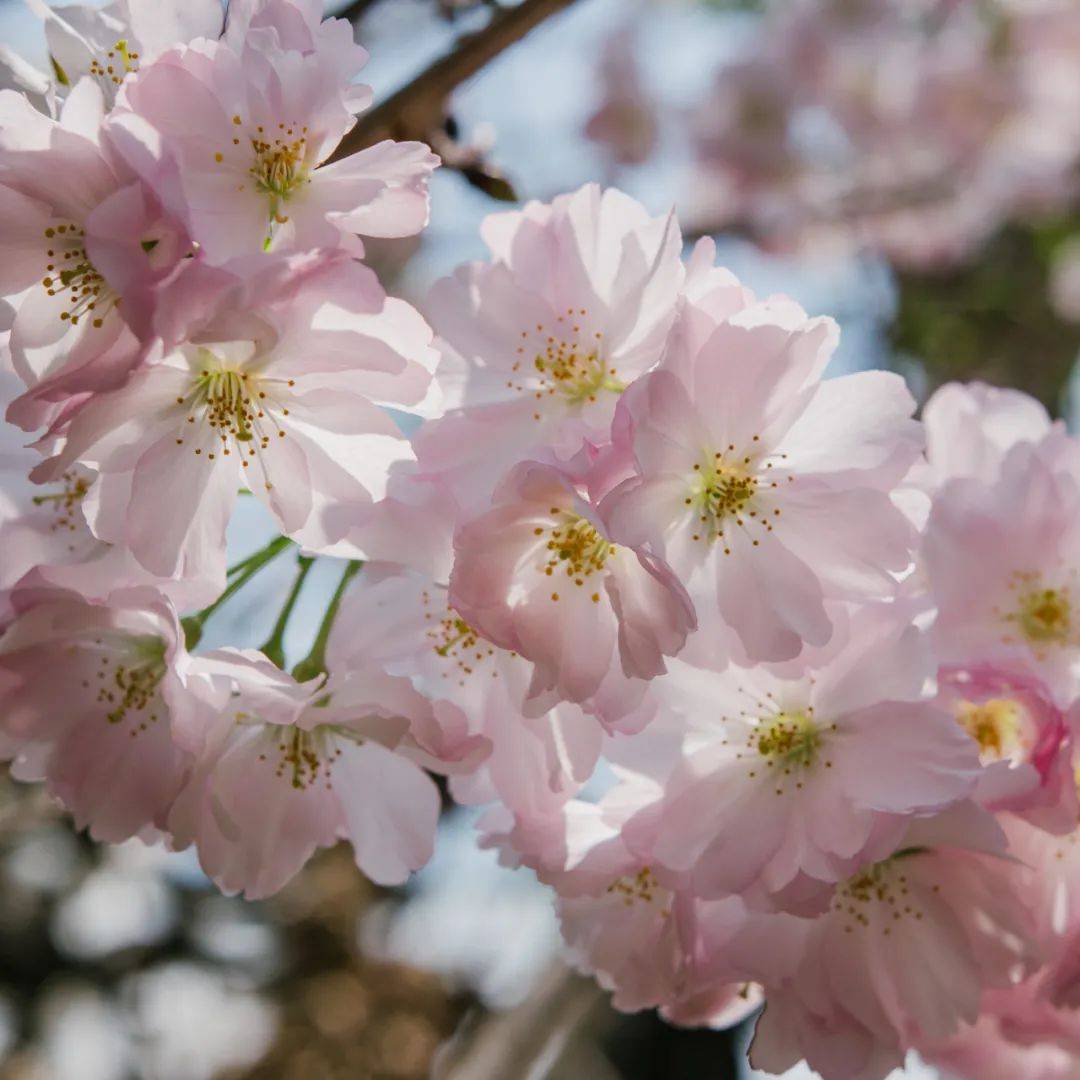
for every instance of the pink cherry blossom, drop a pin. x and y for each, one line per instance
(400, 622)
(787, 785)
(236, 136)
(299, 26)
(107, 43)
(620, 922)
(44, 534)
(970, 427)
(766, 490)
(81, 234)
(273, 391)
(915, 133)
(902, 958)
(1024, 741)
(284, 768)
(1033, 1024)
(538, 574)
(983, 1052)
(1001, 562)
(538, 344)
(652, 944)
(90, 696)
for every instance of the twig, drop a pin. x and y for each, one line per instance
(417, 109)
(356, 9)
(526, 1041)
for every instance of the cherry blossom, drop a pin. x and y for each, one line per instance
(970, 427)
(984, 1052)
(272, 391)
(81, 234)
(1001, 559)
(46, 538)
(539, 575)
(787, 784)
(537, 344)
(400, 621)
(283, 768)
(765, 489)
(89, 697)
(108, 43)
(911, 132)
(900, 959)
(235, 137)
(625, 123)
(1024, 741)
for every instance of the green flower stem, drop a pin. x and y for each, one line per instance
(314, 664)
(193, 624)
(274, 648)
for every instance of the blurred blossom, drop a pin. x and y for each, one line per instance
(46, 860)
(626, 121)
(82, 1037)
(193, 1023)
(945, 119)
(230, 932)
(114, 909)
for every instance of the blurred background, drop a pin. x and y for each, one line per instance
(911, 167)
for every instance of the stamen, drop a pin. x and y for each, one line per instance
(575, 548)
(568, 362)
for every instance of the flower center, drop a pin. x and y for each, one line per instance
(1044, 615)
(726, 491)
(879, 895)
(241, 407)
(790, 739)
(116, 63)
(300, 757)
(575, 546)
(456, 642)
(788, 743)
(996, 725)
(279, 165)
(65, 501)
(568, 362)
(128, 682)
(641, 887)
(71, 275)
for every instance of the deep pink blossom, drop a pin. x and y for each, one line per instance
(81, 234)
(1024, 741)
(538, 574)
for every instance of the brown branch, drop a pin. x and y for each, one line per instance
(516, 1043)
(356, 9)
(417, 109)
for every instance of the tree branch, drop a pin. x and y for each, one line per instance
(417, 109)
(528, 1039)
(356, 9)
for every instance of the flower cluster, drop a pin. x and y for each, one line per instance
(915, 129)
(829, 654)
